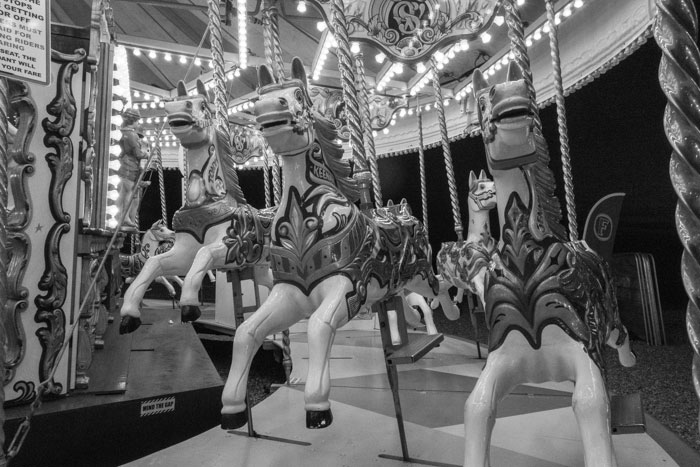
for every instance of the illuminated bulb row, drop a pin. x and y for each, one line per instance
(168, 57)
(531, 38)
(152, 105)
(242, 34)
(395, 69)
(325, 50)
(241, 107)
(421, 84)
(441, 59)
(121, 93)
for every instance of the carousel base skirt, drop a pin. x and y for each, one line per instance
(147, 390)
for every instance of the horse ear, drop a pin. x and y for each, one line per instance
(472, 179)
(478, 81)
(514, 72)
(264, 76)
(201, 89)
(181, 89)
(482, 175)
(298, 71)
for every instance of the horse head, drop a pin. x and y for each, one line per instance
(190, 117)
(482, 192)
(506, 120)
(284, 111)
(161, 232)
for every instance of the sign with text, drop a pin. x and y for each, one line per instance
(25, 35)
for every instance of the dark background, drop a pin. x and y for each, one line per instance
(617, 144)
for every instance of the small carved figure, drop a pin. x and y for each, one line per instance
(134, 149)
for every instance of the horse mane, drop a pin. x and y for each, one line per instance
(545, 186)
(326, 134)
(228, 169)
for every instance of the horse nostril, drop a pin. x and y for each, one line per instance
(188, 104)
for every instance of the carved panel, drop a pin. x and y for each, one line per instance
(22, 122)
(330, 103)
(54, 280)
(411, 30)
(383, 108)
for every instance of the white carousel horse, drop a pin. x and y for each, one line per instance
(550, 305)
(328, 258)
(213, 200)
(463, 264)
(155, 241)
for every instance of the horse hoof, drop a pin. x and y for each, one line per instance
(129, 324)
(231, 421)
(189, 313)
(318, 418)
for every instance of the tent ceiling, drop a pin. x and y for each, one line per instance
(179, 25)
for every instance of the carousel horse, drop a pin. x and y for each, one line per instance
(463, 264)
(328, 258)
(213, 200)
(550, 304)
(155, 241)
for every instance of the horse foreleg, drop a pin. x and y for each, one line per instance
(592, 410)
(280, 310)
(170, 262)
(624, 351)
(208, 257)
(421, 287)
(415, 300)
(497, 379)
(166, 283)
(331, 314)
(460, 295)
(177, 280)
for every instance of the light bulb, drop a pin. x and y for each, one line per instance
(301, 6)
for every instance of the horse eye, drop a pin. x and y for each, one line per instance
(298, 95)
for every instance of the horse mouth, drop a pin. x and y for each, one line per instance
(512, 112)
(272, 123)
(180, 122)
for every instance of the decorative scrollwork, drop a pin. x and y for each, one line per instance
(26, 391)
(410, 30)
(383, 108)
(22, 119)
(330, 103)
(54, 280)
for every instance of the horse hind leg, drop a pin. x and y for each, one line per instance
(499, 377)
(624, 351)
(592, 410)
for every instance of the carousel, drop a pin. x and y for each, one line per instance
(336, 185)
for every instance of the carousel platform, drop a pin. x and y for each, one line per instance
(535, 425)
(148, 390)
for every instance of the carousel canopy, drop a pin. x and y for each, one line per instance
(168, 40)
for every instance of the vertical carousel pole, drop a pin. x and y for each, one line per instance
(161, 181)
(272, 47)
(561, 121)
(367, 130)
(447, 154)
(266, 178)
(675, 31)
(218, 60)
(347, 75)
(273, 55)
(4, 258)
(421, 165)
